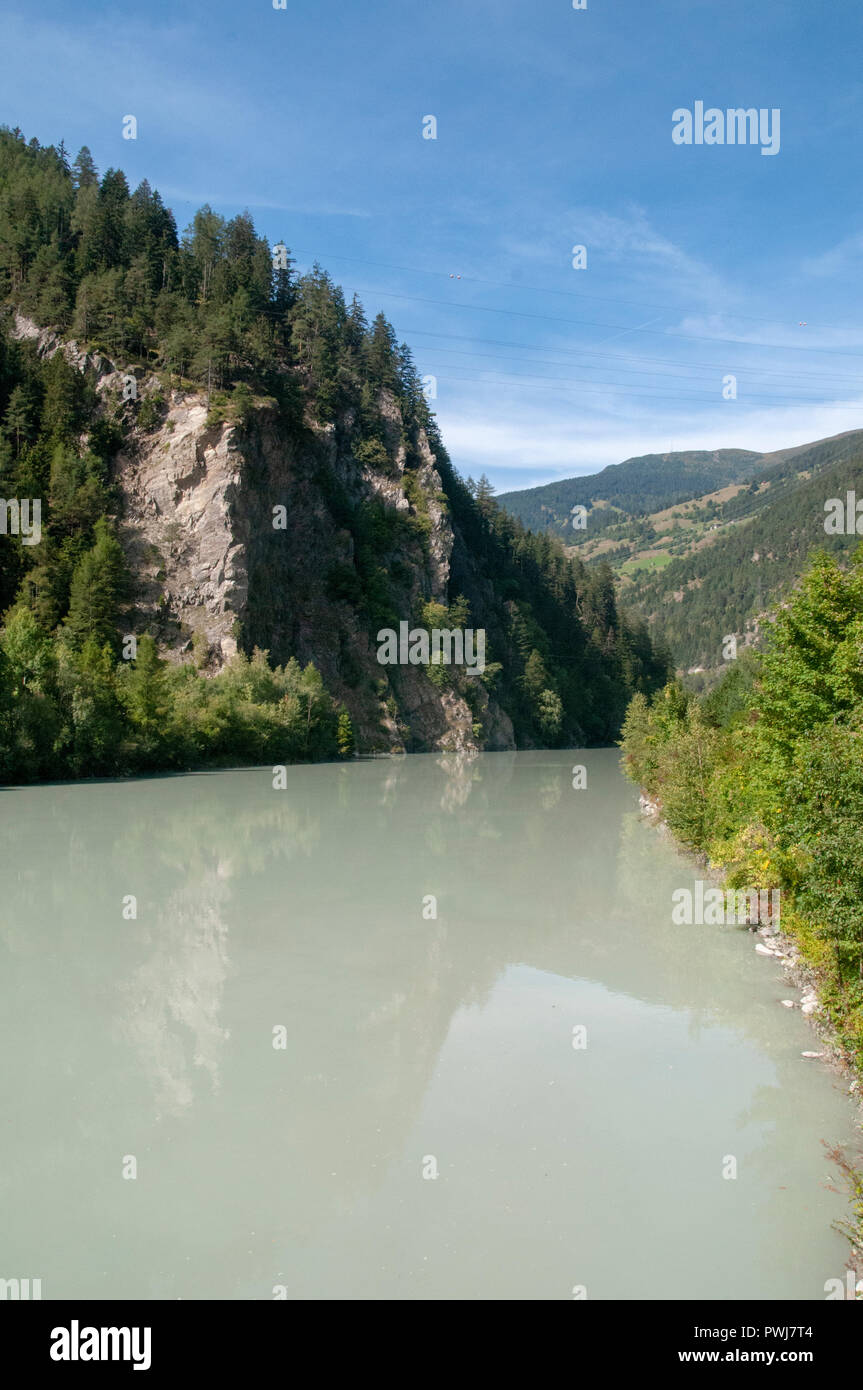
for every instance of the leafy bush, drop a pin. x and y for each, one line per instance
(765, 775)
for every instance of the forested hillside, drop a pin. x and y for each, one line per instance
(217, 316)
(635, 487)
(757, 550)
(699, 569)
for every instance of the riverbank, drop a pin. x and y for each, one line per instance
(763, 778)
(788, 947)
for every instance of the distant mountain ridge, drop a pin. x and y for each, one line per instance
(702, 567)
(755, 550)
(637, 486)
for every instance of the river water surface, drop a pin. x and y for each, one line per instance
(406, 1045)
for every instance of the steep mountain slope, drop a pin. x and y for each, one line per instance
(699, 570)
(755, 549)
(635, 487)
(235, 472)
(213, 573)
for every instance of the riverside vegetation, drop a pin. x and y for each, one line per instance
(216, 309)
(764, 777)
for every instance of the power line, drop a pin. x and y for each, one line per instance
(541, 289)
(626, 356)
(585, 323)
(628, 371)
(647, 393)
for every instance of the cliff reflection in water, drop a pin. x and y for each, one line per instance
(407, 1035)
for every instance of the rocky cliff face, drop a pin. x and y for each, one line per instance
(232, 534)
(233, 540)
(300, 524)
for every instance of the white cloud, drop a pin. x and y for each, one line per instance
(561, 443)
(651, 262)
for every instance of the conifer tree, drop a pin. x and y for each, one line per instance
(99, 585)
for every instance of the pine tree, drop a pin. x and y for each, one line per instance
(99, 585)
(18, 420)
(144, 691)
(382, 356)
(84, 170)
(484, 496)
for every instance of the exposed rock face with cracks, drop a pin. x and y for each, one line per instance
(212, 573)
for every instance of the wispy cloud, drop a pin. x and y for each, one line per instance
(821, 342)
(631, 241)
(632, 256)
(251, 201)
(543, 445)
(846, 254)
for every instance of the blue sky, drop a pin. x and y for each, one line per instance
(553, 129)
